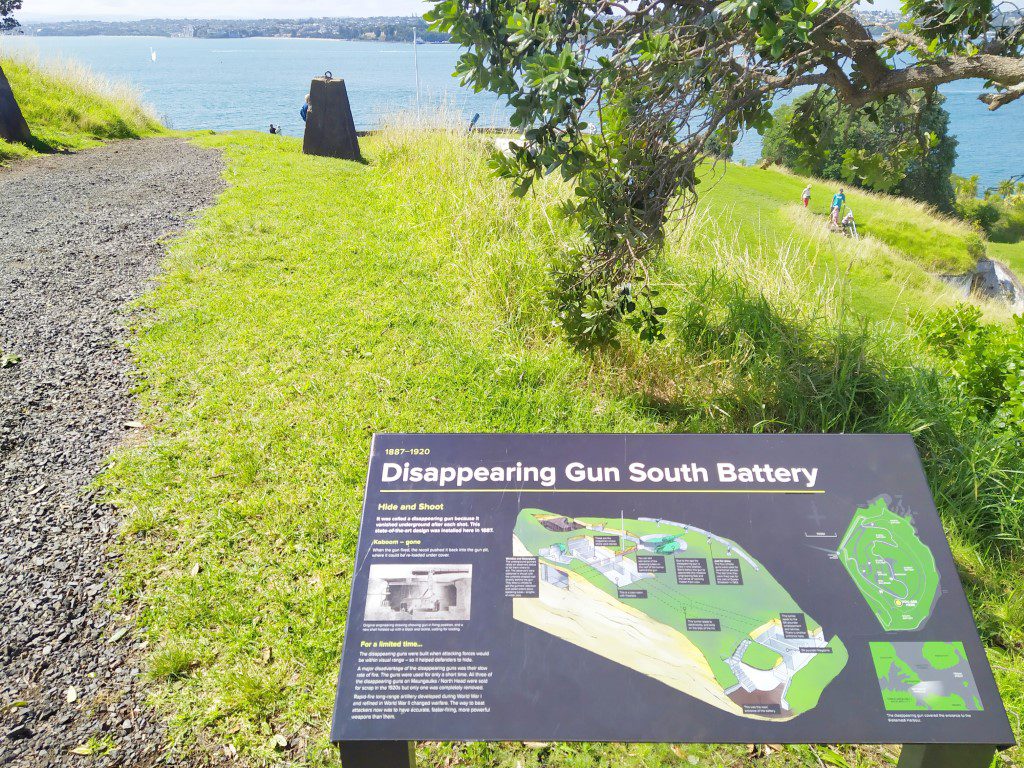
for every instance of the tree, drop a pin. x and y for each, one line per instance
(903, 143)
(7, 9)
(669, 84)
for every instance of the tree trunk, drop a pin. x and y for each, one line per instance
(12, 123)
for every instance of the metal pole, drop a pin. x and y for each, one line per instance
(416, 62)
(378, 754)
(946, 756)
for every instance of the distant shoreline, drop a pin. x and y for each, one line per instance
(4, 36)
(372, 29)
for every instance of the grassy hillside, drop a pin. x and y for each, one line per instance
(1011, 254)
(321, 301)
(889, 271)
(68, 107)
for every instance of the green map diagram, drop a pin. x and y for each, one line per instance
(925, 677)
(680, 604)
(893, 569)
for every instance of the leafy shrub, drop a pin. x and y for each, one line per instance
(982, 213)
(999, 212)
(1009, 226)
(877, 148)
(985, 362)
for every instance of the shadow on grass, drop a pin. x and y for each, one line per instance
(46, 143)
(771, 373)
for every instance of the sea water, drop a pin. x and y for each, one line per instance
(249, 83)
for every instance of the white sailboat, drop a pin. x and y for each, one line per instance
(152, 54)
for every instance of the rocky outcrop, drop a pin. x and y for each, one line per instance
(990, 279)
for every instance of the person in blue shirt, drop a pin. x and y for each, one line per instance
(305, 108)
(838, 200)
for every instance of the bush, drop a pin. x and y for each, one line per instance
(985, 363)
(999, 213)
(815, 136)
(982, 213)
(1009, 226)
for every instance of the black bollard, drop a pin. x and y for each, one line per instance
(12, 123)
(330, 130)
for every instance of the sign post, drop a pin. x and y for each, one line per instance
(674, 588)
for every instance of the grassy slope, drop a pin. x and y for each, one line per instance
(321, 301)
(889, 270)
(68, 108)
(1011, 254)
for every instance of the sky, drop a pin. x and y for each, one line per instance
(43, 10)
(221, 9)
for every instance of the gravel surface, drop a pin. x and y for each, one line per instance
(78, 239)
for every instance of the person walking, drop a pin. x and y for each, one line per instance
(838, 200)
(806, 195)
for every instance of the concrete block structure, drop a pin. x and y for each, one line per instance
(330, 129)
(12, 123)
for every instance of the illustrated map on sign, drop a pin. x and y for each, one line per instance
(932, 676)
(892, 568)
(680, 604)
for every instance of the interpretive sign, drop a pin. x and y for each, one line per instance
(705, 588)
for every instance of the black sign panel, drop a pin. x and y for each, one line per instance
(704, 588)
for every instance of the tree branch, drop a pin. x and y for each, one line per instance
(1003, 70)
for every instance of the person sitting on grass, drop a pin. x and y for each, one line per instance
(304, 112)
(806, 195)
(838, 200)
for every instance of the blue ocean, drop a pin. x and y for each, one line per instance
(231, 84)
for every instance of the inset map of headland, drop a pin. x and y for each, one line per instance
(893, 569)
(680, 604)
(925, 677)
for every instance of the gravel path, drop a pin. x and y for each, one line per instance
(78, 239)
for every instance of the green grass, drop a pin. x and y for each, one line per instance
(1011, 254)
(68, 107)
(891, 271)
(321, 301)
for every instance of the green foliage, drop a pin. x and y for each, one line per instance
(900, 145)
(171, 662)
(628, 100)
(985, 362)
(566, 67)
(954, 26)
(999, 213)
(68, 107)
(7, 8)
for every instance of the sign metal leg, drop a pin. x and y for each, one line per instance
(946, 756)
(381, 754)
